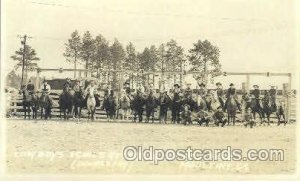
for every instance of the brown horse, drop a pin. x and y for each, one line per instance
(231, 109)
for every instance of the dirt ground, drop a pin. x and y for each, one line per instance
(67, 147)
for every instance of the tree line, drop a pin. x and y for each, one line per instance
(97, 53)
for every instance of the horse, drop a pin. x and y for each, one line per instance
(66, 103)
(35, 105)
(267, 107)
(27, 103)
(124, 105)
(92, 101)
(138, 103)
(79, 103)
(105, 104)
(164, 104)
(111, 105)
(151, 104)
(46, 104)
(231, 109)
(257, 107)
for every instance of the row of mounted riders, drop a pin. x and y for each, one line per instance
(185, 106)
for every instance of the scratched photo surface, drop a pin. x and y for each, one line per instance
(163, 87)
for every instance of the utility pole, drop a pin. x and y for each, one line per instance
(23, 42)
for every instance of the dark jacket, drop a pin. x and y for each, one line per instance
(230, 91)
(256, 93)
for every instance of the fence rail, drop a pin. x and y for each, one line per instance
(16, 108)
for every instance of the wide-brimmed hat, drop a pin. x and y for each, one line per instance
(273, 87)
(176, 85)
(231, 84)
(255, 86)
(201, 84)
(218, 83)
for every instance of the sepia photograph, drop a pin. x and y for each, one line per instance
(144, 90)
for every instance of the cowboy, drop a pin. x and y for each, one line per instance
(273, 93)
(188, 91)
(232, 92)
(256, 91)
(247, 99)
(112, 105)
(45, 88)
(164, 101)
(176, 104)
(248, 117)
(127, 87)
(77, 87)
(30, 87)
(203, 117)
(67, 85)
(220, 93)
(202, 90)
(219, 117)
(256, 94)
(138, 103)
(186, 115)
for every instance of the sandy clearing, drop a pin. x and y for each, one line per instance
(97, 147)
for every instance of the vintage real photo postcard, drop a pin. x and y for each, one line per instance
(144, 89)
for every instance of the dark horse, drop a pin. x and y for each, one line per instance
(231, 109)
(28, 103)
(137, 105)
(66, 103)
(45, 103)
(268, 108)
(151, 104)
(79, 102)
(257, 107)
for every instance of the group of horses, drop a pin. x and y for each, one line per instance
(71, 103)
(32, 103)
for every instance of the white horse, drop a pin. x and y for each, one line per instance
(215, 103)
(124, 105)
(91, 101)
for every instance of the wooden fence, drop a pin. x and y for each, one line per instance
(16, 108)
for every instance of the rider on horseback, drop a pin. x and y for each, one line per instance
(256, 94)
(30, 87)
(188, 91)
(176, 104)
(67, 85)
(202, 90)
(45, 88)
(220, 93)
(232, 92)
(273, 93)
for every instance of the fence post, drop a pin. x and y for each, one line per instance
(287, 100)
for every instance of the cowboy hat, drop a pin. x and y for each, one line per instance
(176, 85)
(231, 84)
(201, 84)
(218, 83)
(255, 86)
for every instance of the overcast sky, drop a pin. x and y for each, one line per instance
(252, 35)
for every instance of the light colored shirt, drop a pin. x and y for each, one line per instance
(45, 87)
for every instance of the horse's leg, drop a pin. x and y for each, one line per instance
(42, 112)
(24, 107)
(228, 116)
(152, 114)
(29, 112)
(233, 119)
